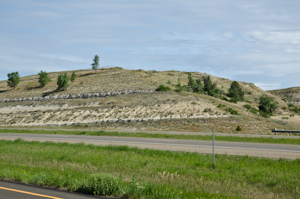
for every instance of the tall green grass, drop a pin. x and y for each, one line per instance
(167, 136)
(142, 173)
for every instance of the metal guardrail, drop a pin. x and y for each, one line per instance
(284, 131)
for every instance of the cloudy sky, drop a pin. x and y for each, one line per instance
(254, 41)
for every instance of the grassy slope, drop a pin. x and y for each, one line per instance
(188, 175)
(111, 79)
(165, 136)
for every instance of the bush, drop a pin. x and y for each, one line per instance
(232, 111)
(238, 128)
(163, 88)
(73, 77)
(266, 104)
(281, 122)
(44, 78)
(13, 79)
(221, 106)
(62, 81)
(207, 110)
(100, 184)
(247, 106)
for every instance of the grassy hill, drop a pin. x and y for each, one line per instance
(115, 98)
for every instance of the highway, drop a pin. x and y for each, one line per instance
(231, 148)
(13, 190)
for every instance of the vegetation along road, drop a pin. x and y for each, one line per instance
(230, 148)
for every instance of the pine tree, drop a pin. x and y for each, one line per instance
(44, 78)
(96, 60)
(13, 79)
(62, 81)
(235, 92)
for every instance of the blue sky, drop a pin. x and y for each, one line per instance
(255, 41)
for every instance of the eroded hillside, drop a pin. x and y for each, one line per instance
(115, 98)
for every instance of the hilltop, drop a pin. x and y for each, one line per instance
(291, 95)
(116, 98)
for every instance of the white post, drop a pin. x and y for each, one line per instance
(213, 148)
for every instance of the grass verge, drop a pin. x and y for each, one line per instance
(142, 173)
(166, 136)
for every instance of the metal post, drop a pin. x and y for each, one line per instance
(213, 131)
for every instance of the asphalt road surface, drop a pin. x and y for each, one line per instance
(13, 190)
(230, 148)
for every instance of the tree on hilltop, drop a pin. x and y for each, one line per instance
(96, 60)
(13, 79)
(44, 78)
(62, 81)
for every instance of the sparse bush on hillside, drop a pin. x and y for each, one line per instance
(295, 109)
(267, 104)
(232, 111)
(235, 92)
(13, 79)
(238, 128)
(163, 88)
(43, 78)
(62, 81)
(73, 77)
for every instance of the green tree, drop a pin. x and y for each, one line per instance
(96, 60)
(266, 104)
(195, 85)
(62, 81)
(73, 77)
(235, 92)
(209, 87)
(13, 79)
(44, 78)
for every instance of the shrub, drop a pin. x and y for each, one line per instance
(238, 128)
(44, 78)
(163, 88)
(62, 81)
(235, 92)
(247, 106)
(73, 77)
(221, 106)
(100, 184)
(207, 110)
(284, 107)
(295, 109)
(281, 122)
(13, 79)
(232, 111)
(266, 104)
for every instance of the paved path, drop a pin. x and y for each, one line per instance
(13, 190)
(230, 148)
(297, 136)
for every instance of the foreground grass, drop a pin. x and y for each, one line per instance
(166, 136)
(142, 173)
